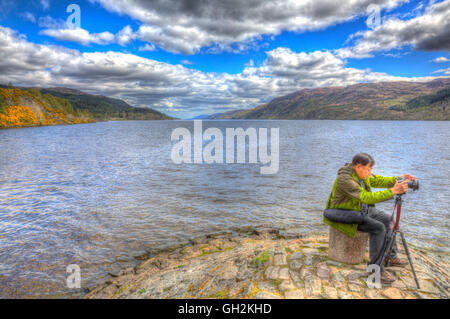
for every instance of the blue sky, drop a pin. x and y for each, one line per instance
(204, 59)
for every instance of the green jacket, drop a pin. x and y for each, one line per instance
(347, 193)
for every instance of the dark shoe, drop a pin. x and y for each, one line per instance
(397, 262)
(386, 277)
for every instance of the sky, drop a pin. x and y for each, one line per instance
(193, 57)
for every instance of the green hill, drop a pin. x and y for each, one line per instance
(440, 98)
(105, 108)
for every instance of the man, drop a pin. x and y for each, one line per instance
(352, 191)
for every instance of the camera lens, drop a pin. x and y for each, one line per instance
(414, 184)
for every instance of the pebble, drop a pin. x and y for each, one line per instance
(354, 288)
(344, 295)
(310, 251)
(297, 255)
(329, 292)
(266, 295)
(296, 264)
(267, 286)
(272, 272)
(280, 260)
(295, 294)
(392, 293)
(286, 285)
(309, 260)
(313, 286)
(371, 293)
(334, 263)
(322, 271)
(284, 273)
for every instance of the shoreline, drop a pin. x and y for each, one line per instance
(266, 262)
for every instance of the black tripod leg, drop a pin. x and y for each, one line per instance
(409, 258)
(388, 252)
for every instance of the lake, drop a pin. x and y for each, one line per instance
(99, 195)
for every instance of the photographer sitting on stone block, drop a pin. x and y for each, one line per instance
(352, 191)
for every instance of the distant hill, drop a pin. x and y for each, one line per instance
(226, 115)
(364, 101)
(200, 117)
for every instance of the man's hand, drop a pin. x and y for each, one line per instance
(408, 177)
(400, 188)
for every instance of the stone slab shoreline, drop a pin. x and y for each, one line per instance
(266, 263)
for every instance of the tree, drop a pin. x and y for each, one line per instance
(10, 85)
(2, 103)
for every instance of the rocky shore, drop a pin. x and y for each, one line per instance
(265, 263)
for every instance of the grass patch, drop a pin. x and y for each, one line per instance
(222, 294)
(262, 258)
(276, 282)
(218, 250)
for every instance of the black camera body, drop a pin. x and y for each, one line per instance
(414, 184)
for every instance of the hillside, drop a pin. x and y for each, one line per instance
(22, 108)
(364, 101)
(105, 108)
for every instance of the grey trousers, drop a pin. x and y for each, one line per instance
(377, 224)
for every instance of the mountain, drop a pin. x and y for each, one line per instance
(365, 101)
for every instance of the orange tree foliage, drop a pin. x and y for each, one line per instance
(18, 115)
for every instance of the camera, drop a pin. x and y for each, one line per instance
(414, 184)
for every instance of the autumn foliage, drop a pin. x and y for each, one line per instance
(21, 108)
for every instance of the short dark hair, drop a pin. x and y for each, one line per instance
(363, 159)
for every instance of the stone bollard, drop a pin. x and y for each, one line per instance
(346, 249)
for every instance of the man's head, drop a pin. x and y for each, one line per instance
(362, 164)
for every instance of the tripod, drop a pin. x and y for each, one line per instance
(392, 236)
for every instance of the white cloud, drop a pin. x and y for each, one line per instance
(125, 36)
(173, 89)
(250, 63)
(80, 35)
(445, 71)
(147, 47)
(51, 23)
(441, 59)
(45, 4)
(429, 32)
(84, 37)
(233, 25)
(29, 17)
